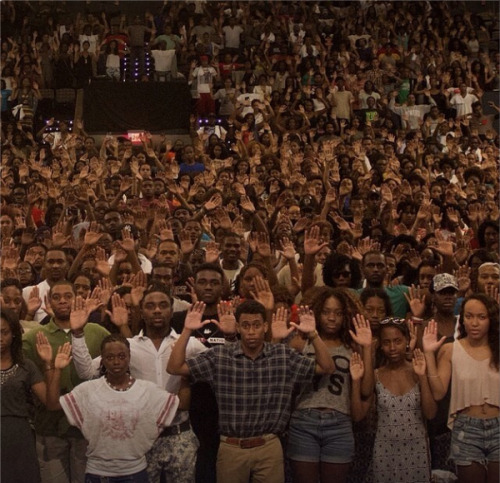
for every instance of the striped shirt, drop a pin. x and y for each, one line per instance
(253, 395)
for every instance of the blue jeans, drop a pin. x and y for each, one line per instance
(141, 477)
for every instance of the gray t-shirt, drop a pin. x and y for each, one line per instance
(332, 391)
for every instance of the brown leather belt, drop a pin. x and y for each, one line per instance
(247, 443)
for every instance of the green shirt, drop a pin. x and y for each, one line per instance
(54, 423)
(399, 303)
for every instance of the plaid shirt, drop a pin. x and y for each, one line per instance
(253, 395)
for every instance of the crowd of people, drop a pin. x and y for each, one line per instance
(307, 290)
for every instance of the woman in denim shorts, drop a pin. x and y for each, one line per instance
(471, 363)
(321, 441)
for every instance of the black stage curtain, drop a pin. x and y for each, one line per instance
(149, 106)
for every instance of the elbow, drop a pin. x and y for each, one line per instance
(53, 405)
(172, 369)
(329, 368)
(430, 413)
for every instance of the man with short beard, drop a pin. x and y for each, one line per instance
(60, 447)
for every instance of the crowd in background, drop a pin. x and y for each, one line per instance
(338, 151)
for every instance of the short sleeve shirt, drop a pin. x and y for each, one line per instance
(253, 396)
(120, 426)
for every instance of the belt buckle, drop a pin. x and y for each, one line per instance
(252, 443)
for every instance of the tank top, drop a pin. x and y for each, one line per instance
(473, 382)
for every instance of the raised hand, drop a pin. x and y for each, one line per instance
(430, 342)
(127, 242)
(312, 241)
(194, 315)
(79, 314)
(93, 302)
(462, 274)
(444, 247)
(418, 361)
(139, 284)
(307, 321)
(43, 348)
(186, 244)
(263, 246)
(246, 204)
(63, 357)
(287, 248)
(119, 312)
(362, 333)
(279, 325)
(412, 329)
(34, 301)
(212, 252)
(214, 202)
(356, 367)
(92, 236)
(262, 293)
(102, 265)
(416, 300)
(106, 288)
(227, 320)
(48, 308)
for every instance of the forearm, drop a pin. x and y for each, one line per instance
(368, 379)
(273, 279)
(85, 366)
(178, 356)
(53, 381)
(427, 402)
(323, 358)
(436, 385)
(308, 273)
(134, 261)
(359, 408)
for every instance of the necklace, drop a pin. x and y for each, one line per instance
(6, 374)
(131, 381)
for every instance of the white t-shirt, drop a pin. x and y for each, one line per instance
(43, 291)
(120, 426)
(205, 77)
(163, 60)
(232, 36)
(91, 39)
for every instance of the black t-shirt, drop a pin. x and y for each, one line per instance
(209, 335)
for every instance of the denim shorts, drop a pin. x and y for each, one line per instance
(475, 440)
(141, 477)
(316, 436)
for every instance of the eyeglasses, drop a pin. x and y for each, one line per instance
(393, 321)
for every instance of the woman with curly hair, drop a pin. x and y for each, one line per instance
(321, 441)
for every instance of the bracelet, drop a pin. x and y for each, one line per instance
(417, 320)
(231, 337)
(50, 367)
(77, 334)
(313, 336)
